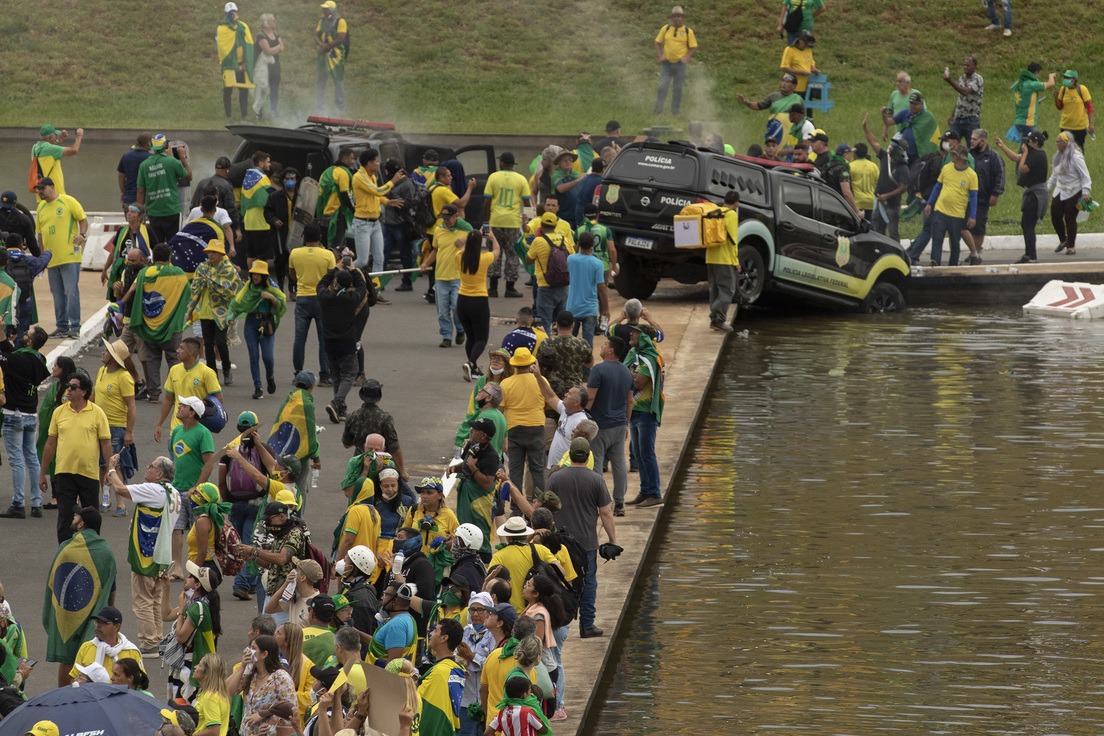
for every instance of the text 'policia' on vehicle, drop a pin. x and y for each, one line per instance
(797, 237)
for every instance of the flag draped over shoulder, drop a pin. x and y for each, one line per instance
(440, 690)
(235, 50)
(78, 587)
(254, 196)
(188, 244)
(162, 294)
(9, 297)
(293, 431)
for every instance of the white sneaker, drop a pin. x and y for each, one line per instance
(1007, 32)
(992, 27)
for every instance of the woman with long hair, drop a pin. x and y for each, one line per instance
(128, 673)
(439, 520)
(52, 398)
(1031, 176)
(1071, 184)
(267, 690)
(263, 304)
(473, 305)
(213, 701)
(266, 66)
(289, 638)
(198, 618)
(545, 607)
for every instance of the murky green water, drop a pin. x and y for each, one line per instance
(888, 526)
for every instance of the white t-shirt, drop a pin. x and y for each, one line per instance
(561, 441)
(221, 218)
(153, 495)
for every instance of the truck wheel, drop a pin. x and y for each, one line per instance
(884, 297)
(632, 280)
(752, 277)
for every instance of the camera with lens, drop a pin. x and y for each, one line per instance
(427, 524)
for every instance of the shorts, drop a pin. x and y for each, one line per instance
(187, 515)
(260, 245)
(980, 221)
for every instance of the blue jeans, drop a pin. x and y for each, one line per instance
(643, 428)
(65, 288)
(946, 225)
(397, 238)
(261, 348)
(590, 591)
(446, 293)
(19, 441)
(991, 6)
(468, 727)
(965, 127)
(551, 300)
(561, 679)
(369, 242)
(920, 242)
(670, 73)
(243, 516)
(306, 310)
(586, 326)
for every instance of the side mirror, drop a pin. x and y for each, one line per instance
(864, 226)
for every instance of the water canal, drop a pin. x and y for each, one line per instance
(887, 525)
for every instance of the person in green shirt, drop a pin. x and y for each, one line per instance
(159, 180)
(48, 153)
(1025, 96)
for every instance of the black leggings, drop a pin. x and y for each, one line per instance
(214, 340)
(243, 101)
(475, 317)
(1030, 216)
(1063, 215)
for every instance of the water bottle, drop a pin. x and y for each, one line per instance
(315, 472)
(397, 563)
(105, 499)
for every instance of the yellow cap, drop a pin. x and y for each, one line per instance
(43, 728)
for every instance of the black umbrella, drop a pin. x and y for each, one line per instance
(92, 708)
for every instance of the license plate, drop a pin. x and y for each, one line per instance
(643, 243)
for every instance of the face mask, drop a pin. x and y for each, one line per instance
(479, 627)
(946, 145)
(314, 696)
(412, 545)
(480, 403)
(497, 371)
(289, 184)
(450, 598)
(382, 616)
(340, 567)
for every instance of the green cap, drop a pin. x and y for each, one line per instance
(340, 602)
(248, 419)
(46, 130)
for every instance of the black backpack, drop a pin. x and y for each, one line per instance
(923, 174)
(567, 595)
(555, 272)
(578, 558)
(794, 18)
(420, 210)
(23, 277)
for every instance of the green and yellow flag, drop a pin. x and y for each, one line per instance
(254, 197)
(78, 587)
(235, 50)
(293, 432)
(440, 690)
(9, 298)
(159, 313)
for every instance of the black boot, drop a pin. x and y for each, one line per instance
(493, 289)
(511, 292)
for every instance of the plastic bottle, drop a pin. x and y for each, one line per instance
(315, 472)
(105, 499)
(397, 563)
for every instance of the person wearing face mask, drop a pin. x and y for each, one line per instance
(392, 502)
(318, 634)
(360, 524)
(476, 645)
(355, 570)
(198, 620)
(324, 679)
(277, 540)
(476, 467)
(468, 566)
(451, 603)
(435, 522)
(282, 201)
(499, 369)
(412, 566)
(397, 637)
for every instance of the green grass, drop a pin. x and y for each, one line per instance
(518, 67)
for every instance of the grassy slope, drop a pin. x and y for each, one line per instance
(513, 67)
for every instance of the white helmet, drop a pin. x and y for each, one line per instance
(470, 535)
(363, 558)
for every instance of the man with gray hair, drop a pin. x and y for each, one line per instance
(154, 497)
(633, 313)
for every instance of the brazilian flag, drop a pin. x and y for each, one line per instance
(440, 689)
(254, 196)
(79, 585)
(159, 313)
(9, 297)
(474, 506)
(293, 432)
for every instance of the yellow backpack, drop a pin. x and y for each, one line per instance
(711, 222)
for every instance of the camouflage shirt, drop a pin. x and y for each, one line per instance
(370, 419)
(563, 360)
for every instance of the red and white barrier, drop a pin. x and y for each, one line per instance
(1073, 300)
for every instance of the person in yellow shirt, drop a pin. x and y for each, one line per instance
(523, 406)
(864, 179)
(797, 60)
(332, 37)
(551, 297)
(114, 393)
(722, 264)
(1075, 103)
(504, 194)
(307, 264)
(108, 645)
(48, 153)
(335, 198)
(63, 230)
(954, 201)
(78, 438)
(368, 198)
(675, 45)
(448, 240)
